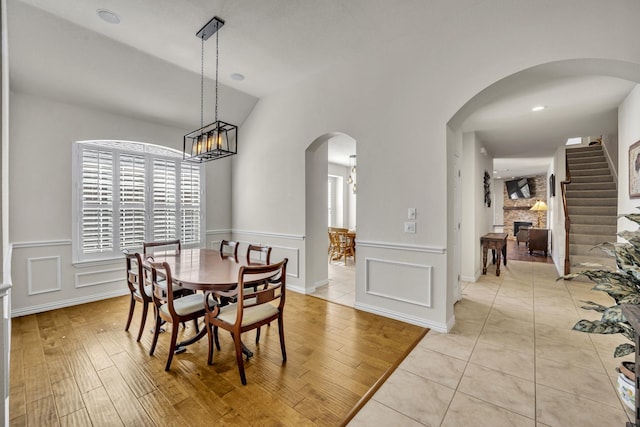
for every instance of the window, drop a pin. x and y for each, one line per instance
(128, 192)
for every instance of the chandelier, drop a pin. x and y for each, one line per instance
(352, 173)
(218, 139)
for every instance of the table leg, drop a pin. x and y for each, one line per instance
(484, 259)
(181, 347)
(498, 263)
(504, 253)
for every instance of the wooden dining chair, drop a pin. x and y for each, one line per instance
(262, 254)
(139, 289)
(171, 309)
(149, 248)
(252, 309)
(229, 248)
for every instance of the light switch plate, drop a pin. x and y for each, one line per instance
(411, 213)
(409, 227)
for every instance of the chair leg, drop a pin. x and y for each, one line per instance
(156, 332)
(172, 346)
(215, 335)
(132, 306)
(195, 323)
(210, 339)
(239, 359)
(145, 310)
(281, 332)
(258, 335)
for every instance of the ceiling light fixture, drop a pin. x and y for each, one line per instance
(108, 16)
(218, 139)
(538, 108)
(237, 76)
(352, 172)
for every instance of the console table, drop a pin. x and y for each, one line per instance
(538, 240)
(498, 243)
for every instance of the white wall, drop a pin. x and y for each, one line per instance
(497, 193)
(628, 134)
(556, 212)
(347, 202)
(42, 133)
(477, 217)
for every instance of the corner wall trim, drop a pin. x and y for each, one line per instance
(267, 234)
(428, 286)
(401, 247)
(217, 232)
(41, 243)
(78, 276)
(4, 289)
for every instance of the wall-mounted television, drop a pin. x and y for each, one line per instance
(520, 188)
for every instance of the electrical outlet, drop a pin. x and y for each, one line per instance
(409, 227)
(411, 213)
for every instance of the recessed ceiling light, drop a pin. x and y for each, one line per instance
(538, 108)
(108, 16)
(237, 76)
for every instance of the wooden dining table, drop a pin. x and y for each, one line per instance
(202, 269)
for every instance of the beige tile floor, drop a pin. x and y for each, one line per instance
(511, 360)
(342, 284)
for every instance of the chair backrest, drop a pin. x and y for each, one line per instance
(149, 248)
(262, 254)
(135, 274)
(229, 248)
(270, 289)
(162, 292)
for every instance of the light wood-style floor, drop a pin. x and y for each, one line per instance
(76, 366)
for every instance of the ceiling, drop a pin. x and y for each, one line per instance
(275, 44)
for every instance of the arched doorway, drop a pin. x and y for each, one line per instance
(330, 188)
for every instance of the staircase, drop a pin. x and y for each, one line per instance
(592, 201)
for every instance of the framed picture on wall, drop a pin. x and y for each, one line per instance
(634, 170)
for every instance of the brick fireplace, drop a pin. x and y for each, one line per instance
(518, 210)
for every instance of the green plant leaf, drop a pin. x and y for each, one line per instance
(598, 327)
(624, 349)
(595, 306)
(613, 315)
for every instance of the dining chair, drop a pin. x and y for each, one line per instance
(342, 245)
(149, 248)
(229, 248)
(139, 289)
(263, 254)
(252, 309)
(170, 309)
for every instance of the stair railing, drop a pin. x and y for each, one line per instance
(567, 220)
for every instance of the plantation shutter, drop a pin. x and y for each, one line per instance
(190, 203)
(164, 200)
(132, 200)
(97, 201)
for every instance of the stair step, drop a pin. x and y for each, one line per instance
(586, 158)
(590, 239)
(592, 186)
(595, 229)
(578, 179)
(605, 201)
(583, 149)
(591, 172)
(592, 194)
(594, 219)
(589, 250)
(593, 210)
(588, 165)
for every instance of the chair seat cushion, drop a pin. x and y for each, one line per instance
(251, 315)
(185, 305)
(147, 291)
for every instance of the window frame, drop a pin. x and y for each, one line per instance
(150, 153)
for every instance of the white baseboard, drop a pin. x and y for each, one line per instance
(436, 326)
(67, 303)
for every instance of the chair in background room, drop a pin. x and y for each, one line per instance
(140, 291)
(170, 309)
(522, 236)
(252, 310)
(341, 244)
(149, 248)
(262, 254)
(229, 248)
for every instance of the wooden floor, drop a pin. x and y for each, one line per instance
(76, 366)
(521, 253)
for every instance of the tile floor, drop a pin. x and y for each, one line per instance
(511, 360)
(342, 284)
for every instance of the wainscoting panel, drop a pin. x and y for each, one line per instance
(100, 277)
(414, 287)
(44, 275)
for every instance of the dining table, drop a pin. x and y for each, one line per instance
(202, 269)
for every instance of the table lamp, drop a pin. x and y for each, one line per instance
(539, 207)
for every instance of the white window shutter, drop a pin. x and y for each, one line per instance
(132, 200)
(164, 200)
(190, 203)
(97, 201)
